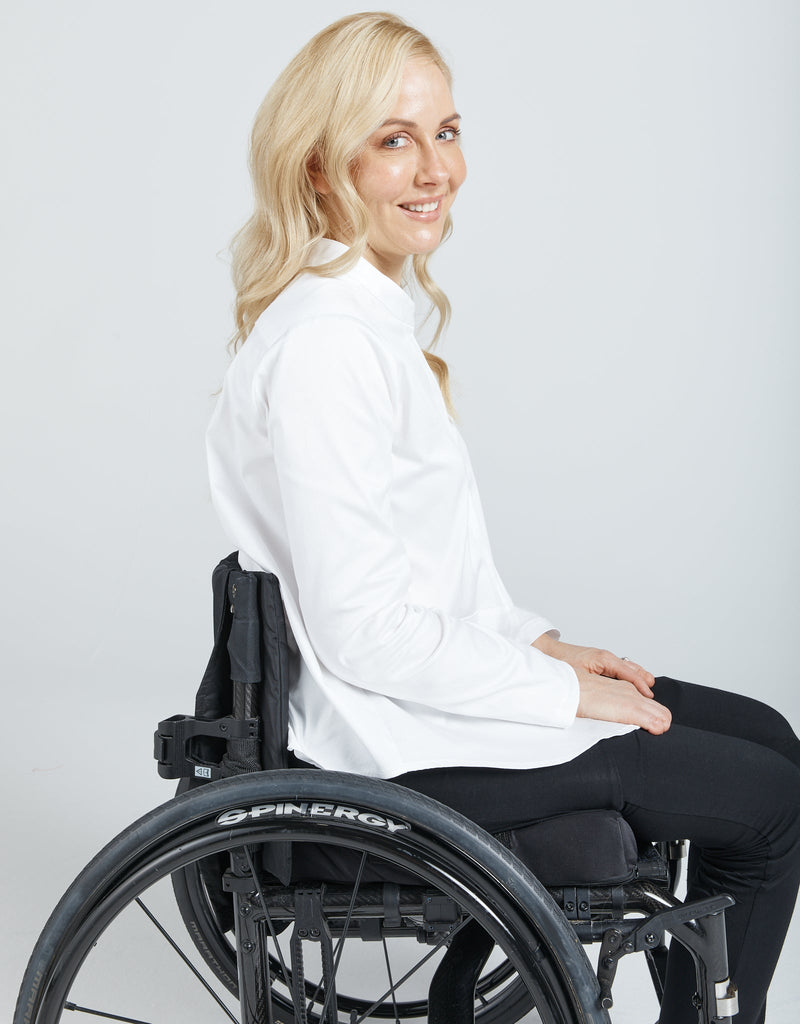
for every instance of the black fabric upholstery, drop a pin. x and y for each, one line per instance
(582, 848)
(250, 646)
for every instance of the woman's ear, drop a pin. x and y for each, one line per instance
(318, 179)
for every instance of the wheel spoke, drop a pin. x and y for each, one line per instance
(186, 960)
(390, 991)
(391, 981)
(102, 1013)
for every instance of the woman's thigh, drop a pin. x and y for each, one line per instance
(501, 798)
(716, 787)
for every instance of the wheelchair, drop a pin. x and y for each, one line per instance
(304, 896)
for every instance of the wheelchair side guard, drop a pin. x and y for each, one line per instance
(700, 927)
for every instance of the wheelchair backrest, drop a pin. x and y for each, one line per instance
(250, 652)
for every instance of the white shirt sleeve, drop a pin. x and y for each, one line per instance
(331, 404)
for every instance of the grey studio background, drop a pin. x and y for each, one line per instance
(624, 345)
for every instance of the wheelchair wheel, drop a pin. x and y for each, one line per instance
(109, 947)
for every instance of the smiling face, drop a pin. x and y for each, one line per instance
(410, 170)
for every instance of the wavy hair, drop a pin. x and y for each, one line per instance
(317, 117)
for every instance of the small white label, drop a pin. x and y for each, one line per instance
(202, 773)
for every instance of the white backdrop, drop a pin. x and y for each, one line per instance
(625, 349)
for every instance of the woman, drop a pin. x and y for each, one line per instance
(336, 464)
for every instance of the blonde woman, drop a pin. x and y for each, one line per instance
(335, 463)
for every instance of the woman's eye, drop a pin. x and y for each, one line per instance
(396, 142)
(448, 134)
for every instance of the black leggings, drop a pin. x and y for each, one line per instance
(726, 776)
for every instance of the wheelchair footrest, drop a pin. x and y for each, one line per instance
(173, 741)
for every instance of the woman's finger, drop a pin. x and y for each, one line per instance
(631, 672)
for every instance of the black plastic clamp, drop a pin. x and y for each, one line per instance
(172, 740)
(439, 915)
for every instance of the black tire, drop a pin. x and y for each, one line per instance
(443, 850)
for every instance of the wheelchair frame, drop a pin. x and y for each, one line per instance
(230, 846)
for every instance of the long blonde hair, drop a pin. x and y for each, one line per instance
(318, 115)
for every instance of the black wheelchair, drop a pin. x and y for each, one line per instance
(315, 897)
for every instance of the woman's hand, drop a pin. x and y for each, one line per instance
(612, 689)
(616, 700)
(598, 662)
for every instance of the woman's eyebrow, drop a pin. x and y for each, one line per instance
(413, 124)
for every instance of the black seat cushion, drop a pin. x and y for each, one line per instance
(582, 848)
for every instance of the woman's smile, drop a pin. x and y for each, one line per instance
(428, 209)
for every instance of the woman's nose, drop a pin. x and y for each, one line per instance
(432, 168)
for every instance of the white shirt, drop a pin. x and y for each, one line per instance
(334, 464)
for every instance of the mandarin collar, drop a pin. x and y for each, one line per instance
(383, 288)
